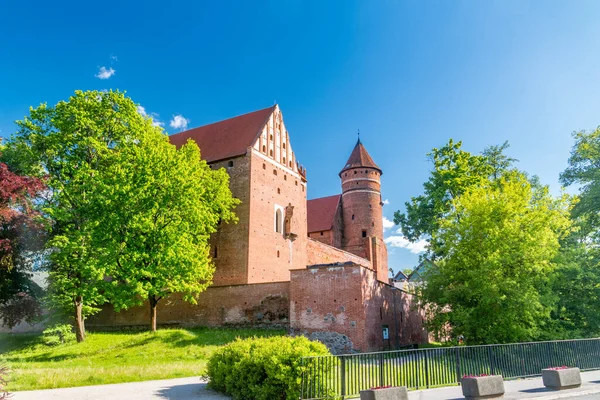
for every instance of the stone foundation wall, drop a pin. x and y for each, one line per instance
(240, 305)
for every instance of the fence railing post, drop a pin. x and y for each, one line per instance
(458, 376)
(381, 367)
(426, 369)
(343, 377)
(491, 358)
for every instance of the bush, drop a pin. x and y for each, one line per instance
(59, 334)
(262, 368)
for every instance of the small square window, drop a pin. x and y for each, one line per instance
(364, 233)
(230, 164)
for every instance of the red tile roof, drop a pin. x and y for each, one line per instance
(359, 158)
(320, 212)
(228, 138)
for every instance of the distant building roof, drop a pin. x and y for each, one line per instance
(359, 158)
(227, 138)
(321, 212)
(400, 276)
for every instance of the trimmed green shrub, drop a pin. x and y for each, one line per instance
(59, 334)
(262, 368)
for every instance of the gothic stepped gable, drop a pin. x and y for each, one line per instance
(263, 130)
(360, 158)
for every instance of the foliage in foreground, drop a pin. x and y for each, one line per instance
(262, 368)
(114, 357)
(500, 241)
(59, 334)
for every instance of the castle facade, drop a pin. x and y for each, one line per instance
(318, 267)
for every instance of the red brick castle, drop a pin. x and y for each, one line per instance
(319, 267)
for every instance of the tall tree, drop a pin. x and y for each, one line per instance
(21, 238)
(576, 279)
(164, 205)
(499, 242)
(70, 144)
(454, 171)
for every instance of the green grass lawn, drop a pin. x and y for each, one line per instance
(114, 357)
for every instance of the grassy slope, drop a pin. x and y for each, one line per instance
(113, 357)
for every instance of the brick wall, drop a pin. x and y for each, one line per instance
(349, 300)
(320, 253)
(272, 254)
(254, 305)
(231, 240)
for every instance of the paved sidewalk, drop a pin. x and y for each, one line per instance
(194, 388)
(169, 389)
(532, 388)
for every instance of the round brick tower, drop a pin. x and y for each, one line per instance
(361, 202)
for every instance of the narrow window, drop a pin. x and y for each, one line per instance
(230, 164)
(274, 172)
(364, 233)
(215, 252)
(381, 312)
(373, 224)
(321, 233)
(303, 188)
(278, 191)
(355, 172)
(366, 172)
(264, 166)
(352, 217)
(284, 160)
(271, 153)
(264, 148)
(278, 221)
(285, 177)
(284, 145)
(277, 253)
(370, 206)
(290, 164)
(271, 137)
(296, 183)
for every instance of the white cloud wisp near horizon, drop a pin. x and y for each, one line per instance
(155, 121)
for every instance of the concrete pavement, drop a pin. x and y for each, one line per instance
(194, 388)
(169, 389)
(532, 388)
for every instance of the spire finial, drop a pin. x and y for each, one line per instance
(358, 136)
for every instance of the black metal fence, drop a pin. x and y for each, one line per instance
(344, 376)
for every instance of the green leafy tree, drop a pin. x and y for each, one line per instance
(498, 241)
(71, 144)
(454, 172)
(164, 203)
(576, 282)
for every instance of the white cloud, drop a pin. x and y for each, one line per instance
(155, 121)
(387, 224)
(179, 122)
(401, 241)
(386, 201)
(104, 73)
(113, 57)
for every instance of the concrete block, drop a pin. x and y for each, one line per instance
(482, 387)
(561, 378)
(392, 393)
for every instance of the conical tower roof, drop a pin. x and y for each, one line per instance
(360, 158)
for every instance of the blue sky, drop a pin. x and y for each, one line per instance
(408, 74)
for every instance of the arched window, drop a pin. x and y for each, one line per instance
(278, 221)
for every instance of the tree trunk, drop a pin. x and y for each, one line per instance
(153, 300)
(79, 326)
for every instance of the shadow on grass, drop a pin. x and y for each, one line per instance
(189, 391)
(18, 341)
